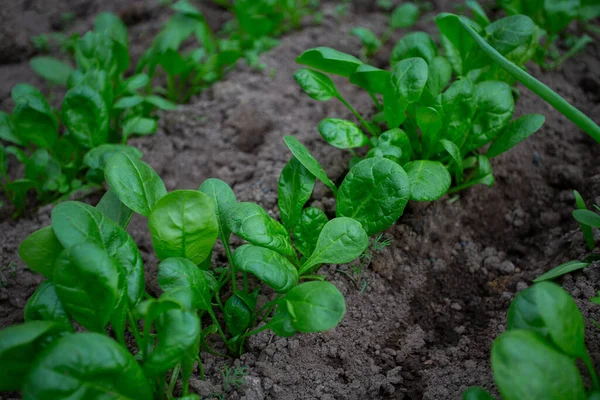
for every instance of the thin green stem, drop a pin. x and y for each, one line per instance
(173, 381)
(357, 115)
(313, 277)
(136, 332)
(576, 48)
(547, 94)
(376, 101)
(257, 330)
(200, 367)
(590, 367)
(230, 259)
(216, 322)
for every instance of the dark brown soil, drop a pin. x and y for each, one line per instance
(437, 295)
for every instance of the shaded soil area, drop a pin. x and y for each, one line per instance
(437, 296)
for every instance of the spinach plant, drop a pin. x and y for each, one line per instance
(404, 16)
(536, 357)
(430, 125)
(95, 278)
(553, 17)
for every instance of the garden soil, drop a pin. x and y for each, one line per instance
(435, 298)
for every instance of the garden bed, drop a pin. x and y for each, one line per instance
(437, 296)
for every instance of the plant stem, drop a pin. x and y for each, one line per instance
(356, 114)
(577, 47)
(200, 367)
(547, 94)
(376, 101)
(590, 366)
(230, 259)
(257, 330)
(216, 321)
(313, 277)
(173, 380)
(136, 332)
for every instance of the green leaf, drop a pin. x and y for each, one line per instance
(526, 366)
(51, 69)
(368, 39)
(40, 250)
(19, 346)
(86, 116)
(398, 138)
(480, 15)
(111, 206)
(371, 79)
(33, 118)
(267, 265)
(459, 108)
(97, 368)
(294, 188)
(89, 283)
(383, 150)
(160, 102)
(183, 223)
(8, 131)
(430, 123)
(476, 393)
(429, 180)
(342, 240)
(176, 273)
(251, 222)
(136, 184)
(404, 16)
(128, 102)
(96, 159)
(439, 76)
(136, 82)
(374, 193)
(456, 41)
(178, 332)
(314, 306)
(317, 85)
(329, 60)
(224, 200)
(77, 223)
(562, 269)
(44, 305)
(237, 315)
(514, 133)
(407, 80)
(454, 152)
(587, 217)
(588, 233)
(139, 126)
(342, 134)
(307, 229)
(310, 163)
(414, 44)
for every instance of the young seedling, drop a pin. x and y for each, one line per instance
(536, 357)
(95, 276)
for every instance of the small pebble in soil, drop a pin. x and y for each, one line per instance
(521, 286)
(507, 267)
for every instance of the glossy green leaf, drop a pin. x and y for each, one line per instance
(342, 134)
(407, 80)
(317, 85)
(139, 126)
(86, 116)
(111, 206)
(175, 273)
(307, 229)
(183, 223)
(430, 123)
(294, 188)
(341, 241)
(96, 159)
(160, 102)
(310, 163)
(178, 332)
(559, 13)
(33, 118)
(514, 133)
(368, 39)
(20, 344)
(525, 366)
(267, 265)
(458, 103)
(398, 138)
(562, 269)
(371, 79)
(76, 223)
(314, 306)
(383, 150)
(128, 102)
(89, 283)
(478, 12)
(111, 24)
(587, 217)
(429, 180)
(251, 222)
(86, 366)
(40, 250)
(374, 193)
(136, 184)
(8, 131)
(224, 200)
(454, 152)
(136, 82)
(588, 233)
(414, 44)
(476, 393)
(51, 69)
(237, 315)
(439, 76)
(281, 323)
(404, 16)
(44, 305)
(329, 60)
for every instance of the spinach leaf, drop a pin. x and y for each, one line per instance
(342, 240)
(587, 231)
(136, 184)
(317, 85)
(51, 69)
(251, 222)
(267, 265)
(238, 316)
(40, 250)
(429, 180)
(44, 305)
(526, 366)
(111, 206)
(90, 284)
(329, 60)
(176, 273)
(86, 116)
(430, 123)
(96, 159)
(476, 393)
(224, 200)
(302, 154)
(514, 133)
(561, 270)
(33, 118)
(342, 134)
(414, 44)
(371, 79)
(404, 16)
(307, 229)
(587, 217)
(295, 187)
(407, 80)
(374, 193)
(183, 223)
(19, 346)
(454, 152)
(97, 368)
